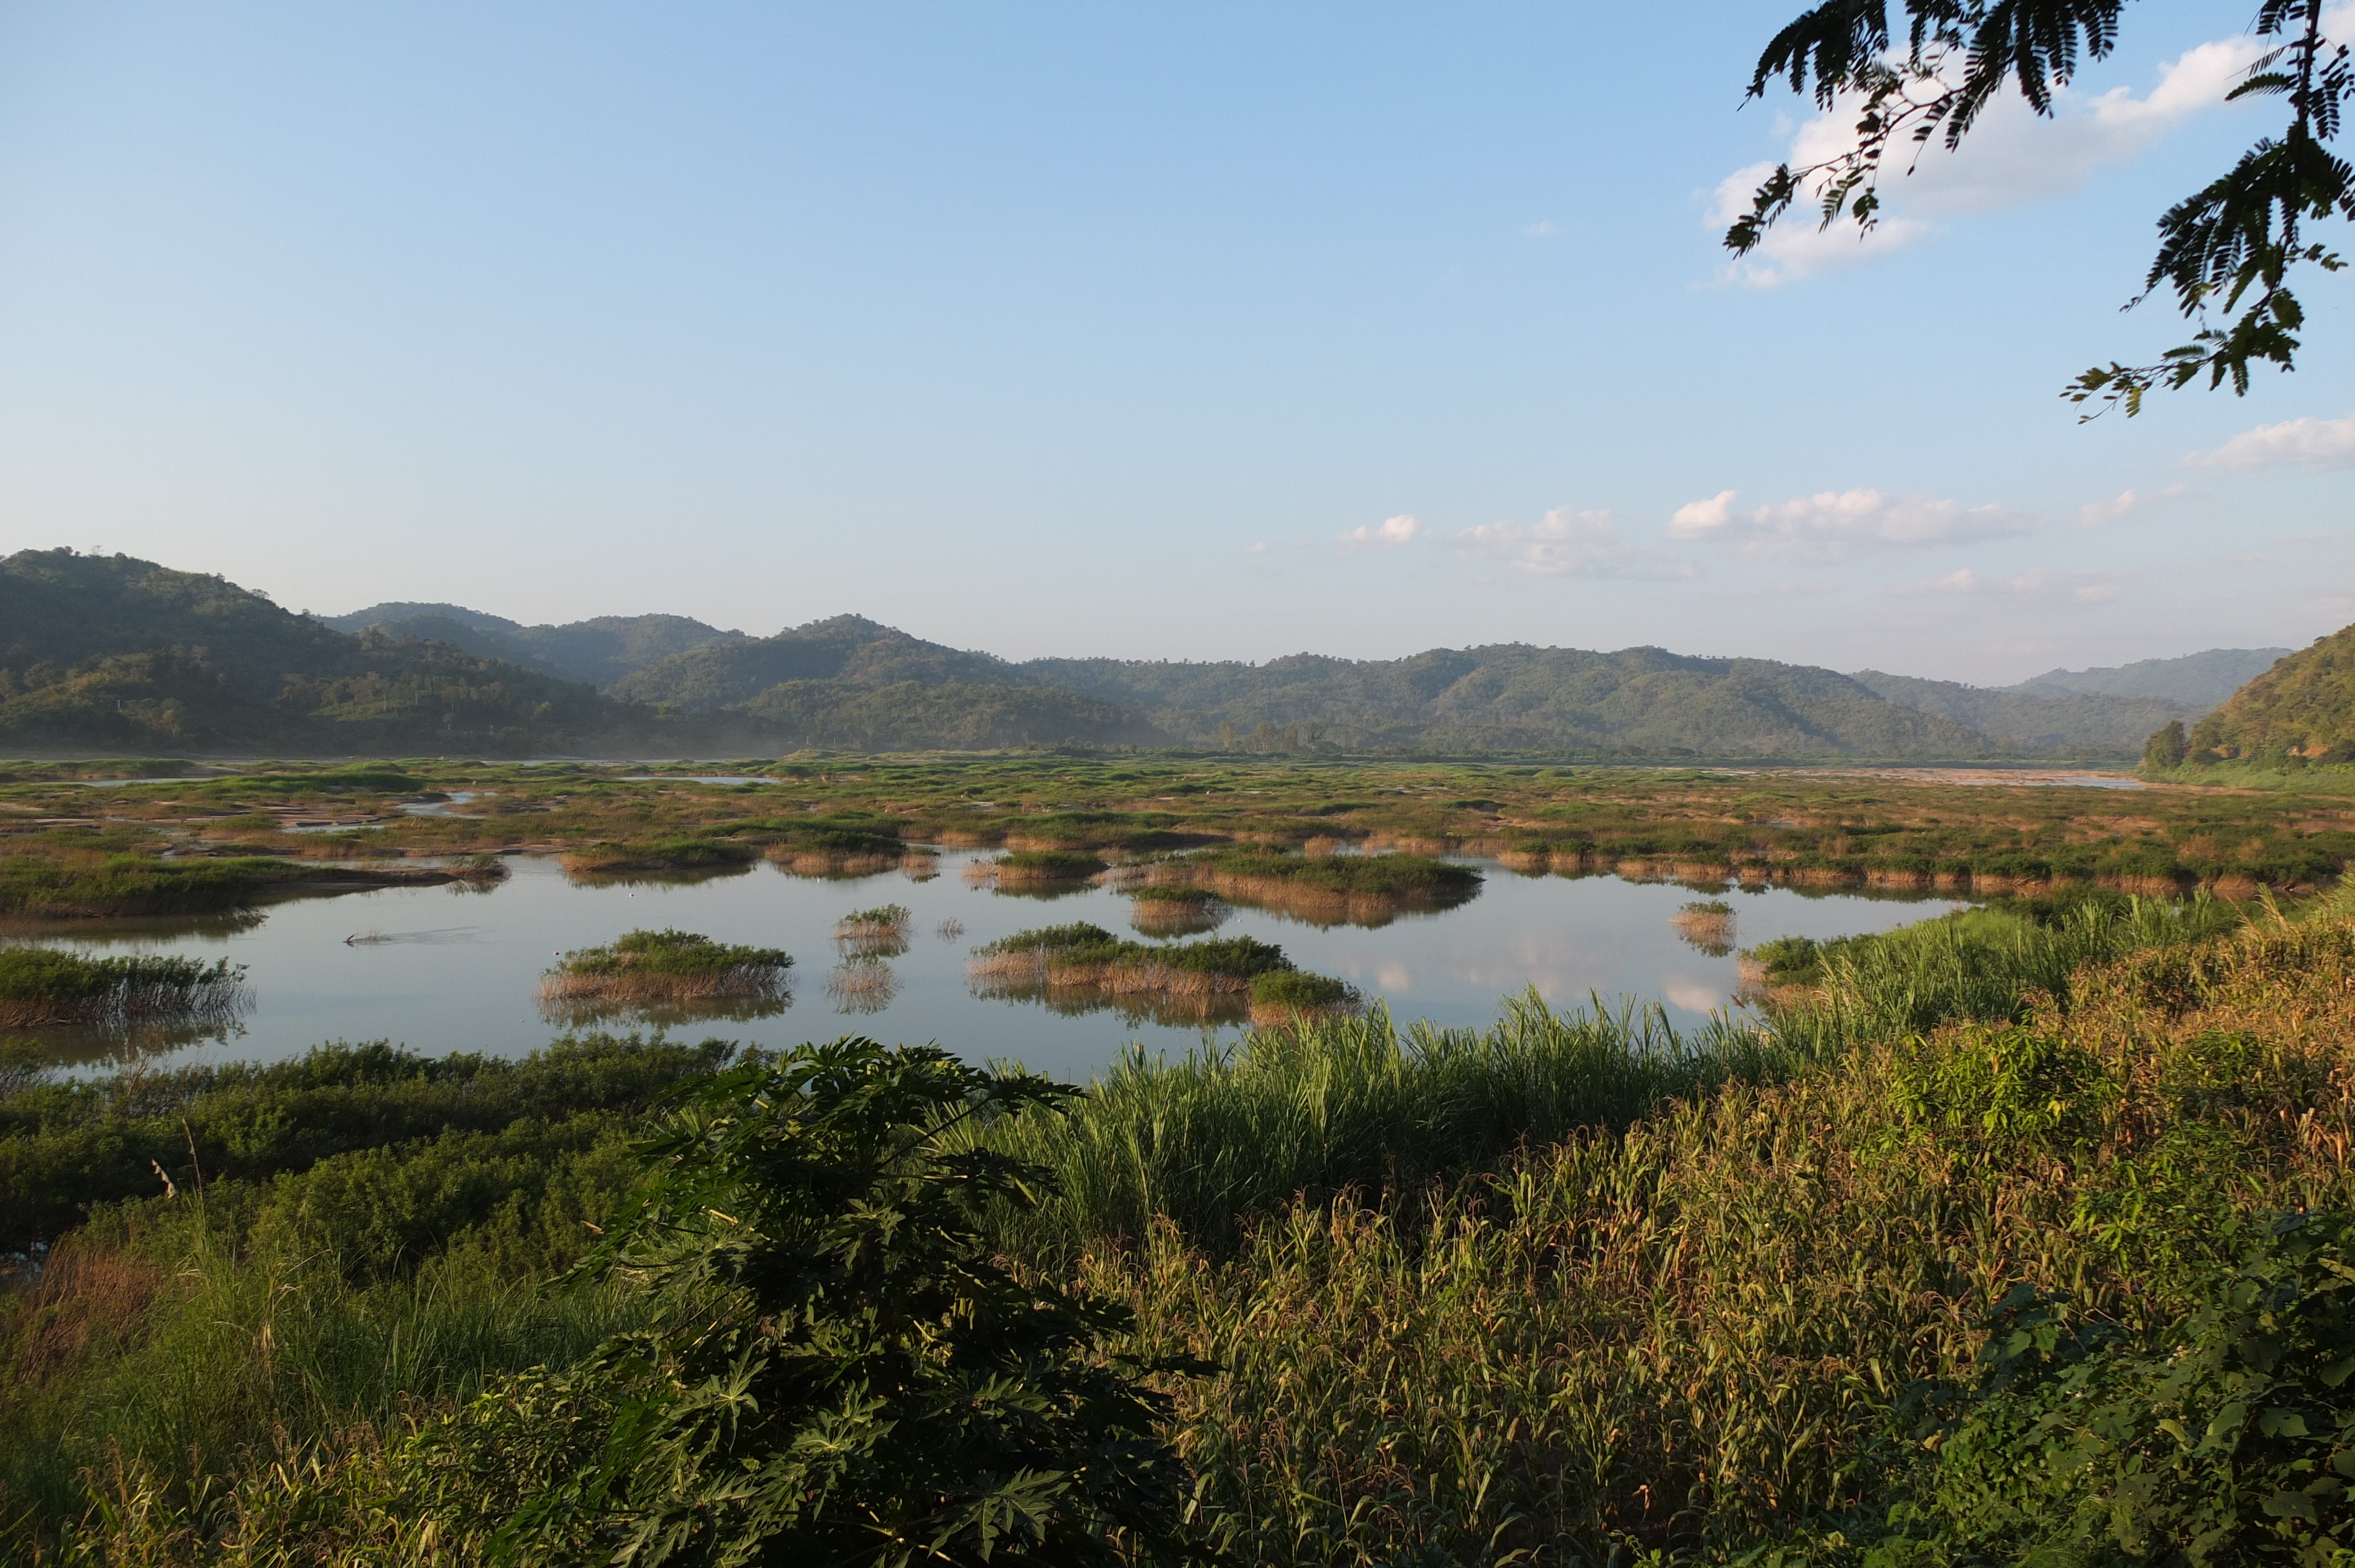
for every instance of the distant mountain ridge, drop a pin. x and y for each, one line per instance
(2036, 723)
(126, 655)
(1506, 698)
(2196, 680)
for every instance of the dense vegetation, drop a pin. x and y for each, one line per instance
(2300, 711)
(1574, 1283)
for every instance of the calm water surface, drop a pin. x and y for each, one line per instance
(443, 969)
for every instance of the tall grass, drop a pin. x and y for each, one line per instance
(1225, 1136)
(1985, 964)
(50, 986)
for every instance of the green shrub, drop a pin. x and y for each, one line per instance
(839, 1372)
(2230, 1441)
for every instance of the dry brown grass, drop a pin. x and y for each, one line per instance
(823, 864)
(85, 1299)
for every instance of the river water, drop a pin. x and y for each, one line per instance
(441, 969)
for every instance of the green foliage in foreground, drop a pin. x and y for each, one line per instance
(837, 1372)
(687, 955)
(2231, 1439)
(1570, 1285)
(1211, 1143)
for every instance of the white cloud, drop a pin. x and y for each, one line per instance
(2100, 513)
(1833, 525)
(1564, 542)
(2309, 443)
(2070, 588)
(1258, 550)
(1542, 227)
(2011, 157)
(1390, 533)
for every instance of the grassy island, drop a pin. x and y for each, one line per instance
(1176, 909)
(664, 967)
(1231, 975)
(669, 854)
(1356, 887)
(877, 933)
(1034, 868)
(45, 987)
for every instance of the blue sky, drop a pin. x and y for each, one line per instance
(1154, 331)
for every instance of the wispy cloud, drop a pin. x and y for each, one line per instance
(1564, 542)
(2101, 513)
(1388, 535)
(2012, 157)
(2070, 588)
(2303, 443)
(1542, 227)
(1256, 549)
(1833, 525)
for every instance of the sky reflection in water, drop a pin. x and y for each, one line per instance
(442, 970)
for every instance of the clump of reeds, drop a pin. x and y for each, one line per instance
(1286, 997)
(1208, 975)
(920, 866)
(877, 933)
(1176, 909)
(1706, 924)
(861, 985)
(669, 854)
(1368, 888)
(665, 967)
(1029, 868)
(828, 865)
(47, 987)
(950, 929)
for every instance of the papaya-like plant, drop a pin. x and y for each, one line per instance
(839, 1371)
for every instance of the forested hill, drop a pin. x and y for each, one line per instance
(2302, 706)
(1512, 696)
(1506, 697)
(2198, 681)
(107, 653)
(596, 652)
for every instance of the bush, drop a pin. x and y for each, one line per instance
(2232, 1440)
(840, 1371)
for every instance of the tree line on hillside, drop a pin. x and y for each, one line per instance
(115, 654)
